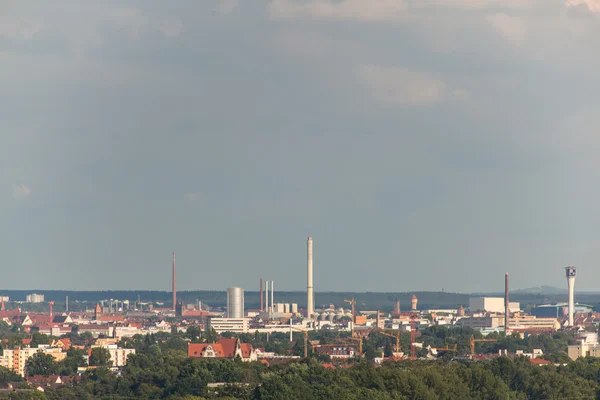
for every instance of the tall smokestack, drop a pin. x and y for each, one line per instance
(262, 304)
(174, 284)
(266, 296)
(67, 304)
(310, 308)
(273, 295)
(571, 272)
(506, 305)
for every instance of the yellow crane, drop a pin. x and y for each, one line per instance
(353, 304)
(340, 343)
(305, 333)
(472, 342)
(360, 343)
(396, 336)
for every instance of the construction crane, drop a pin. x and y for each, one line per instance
(353, 304)
(396, 336)
(441, 349)
(305, 333)
(472, 342)
(341, 343)
(360, 343)
(413, 335)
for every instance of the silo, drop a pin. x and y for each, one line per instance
(235, 302)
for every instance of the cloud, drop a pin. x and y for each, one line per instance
(592, 5)
(23, 28)
(226, 6)
(381, 10)
(401, 86)
(21, 192)
(360, 10)
(512, 28)
(477, 4)
(192, 196)
(172, 28)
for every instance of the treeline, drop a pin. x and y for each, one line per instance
(364, 300)
(172, 376)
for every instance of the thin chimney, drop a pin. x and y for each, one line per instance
(174, 284)
(262, 304)
(506, 306)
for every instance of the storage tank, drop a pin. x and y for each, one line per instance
(235, 302)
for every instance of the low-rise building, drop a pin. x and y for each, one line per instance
(224, 348)
(118, 355)
(16, 359)
(235, 325)
(492, 304)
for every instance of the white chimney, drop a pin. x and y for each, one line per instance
(267, 296)
(310, 307)
(571, 271)
(272, 296)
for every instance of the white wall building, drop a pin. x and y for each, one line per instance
(34, 298)
(235, 302)
(118, 355)
(237, 325)
(492, 304)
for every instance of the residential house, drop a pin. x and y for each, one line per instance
(224, 348)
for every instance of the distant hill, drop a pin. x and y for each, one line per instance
(547, 290)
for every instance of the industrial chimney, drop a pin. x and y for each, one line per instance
(506, 305)
(266, 296)
(571, 271)
(174, 284)
(260, 296)
(310, 301)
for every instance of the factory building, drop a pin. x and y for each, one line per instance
(236, 325)
(235, 302)
(491, 304)
(34, 298)
(587, 345)
(559, 310)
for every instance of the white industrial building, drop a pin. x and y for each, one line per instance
(236, 325)
(492, 304)
(587, 345)
(235, 302)
(34, 298)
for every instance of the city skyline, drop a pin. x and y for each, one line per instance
(424, 145)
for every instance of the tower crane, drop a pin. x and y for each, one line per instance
(472, 342)
(396, 336)
(353, 304)
(413, 335)
(305, 333)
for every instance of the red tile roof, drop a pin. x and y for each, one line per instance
(539, 361)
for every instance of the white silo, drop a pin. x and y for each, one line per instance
(235, 302)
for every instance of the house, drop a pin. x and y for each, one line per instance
(340, 351)
(224, 348)
(64, 344)
(62, 319)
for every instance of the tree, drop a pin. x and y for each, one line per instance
(100, 357)
(6, 376)
(75, 358)
(41, 364)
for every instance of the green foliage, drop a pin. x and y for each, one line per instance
(41, 364)
(100, 357)
(6, 376)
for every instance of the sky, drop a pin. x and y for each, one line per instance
(423, 144)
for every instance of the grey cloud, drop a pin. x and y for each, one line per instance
(426, 135)
(21, 191)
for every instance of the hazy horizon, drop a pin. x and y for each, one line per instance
(423, 144)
